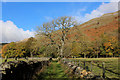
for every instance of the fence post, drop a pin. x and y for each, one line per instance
(103, 66)
(79, 63)
(75, 62)
(91, 66)
(84, 64)
(72, 62)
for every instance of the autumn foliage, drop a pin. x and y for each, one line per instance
(71, 41)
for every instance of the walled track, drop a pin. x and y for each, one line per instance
(53, 72)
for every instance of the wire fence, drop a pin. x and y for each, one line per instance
(98, 68)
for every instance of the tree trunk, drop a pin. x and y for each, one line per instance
(31, 55)
(62, 48)
(84, 55)
(97, 55)
(62, 43)
(16, 58)
(58, 51)
(113, 55)
(106, 56)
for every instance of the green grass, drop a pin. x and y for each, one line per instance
(54, 71)
(111, 64)
(1, 61)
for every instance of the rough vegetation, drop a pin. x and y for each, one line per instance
(1, 45)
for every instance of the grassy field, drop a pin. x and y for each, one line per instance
(111, 66)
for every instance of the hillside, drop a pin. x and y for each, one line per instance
(106, 24)
(24, 40)
(2, 44)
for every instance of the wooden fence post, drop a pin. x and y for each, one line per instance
(91, 66)
(79, 63)
(84, 64)
(75, 62)
(103, 66)
(72, 62)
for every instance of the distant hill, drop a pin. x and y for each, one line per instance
(94, 28)
(24, 40)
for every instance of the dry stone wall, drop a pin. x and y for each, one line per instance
(21, 70)
(79, 71)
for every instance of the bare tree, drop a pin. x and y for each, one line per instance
(59, 27)
(63, 24)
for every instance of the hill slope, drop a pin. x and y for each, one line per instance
(106, 24)
(2, 44)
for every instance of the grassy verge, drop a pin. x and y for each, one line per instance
(52, 72)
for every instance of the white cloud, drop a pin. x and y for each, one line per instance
(108, 7)
(114, 0)
(10, 32)
(94, 14)
(48, 18)
(102, 9)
